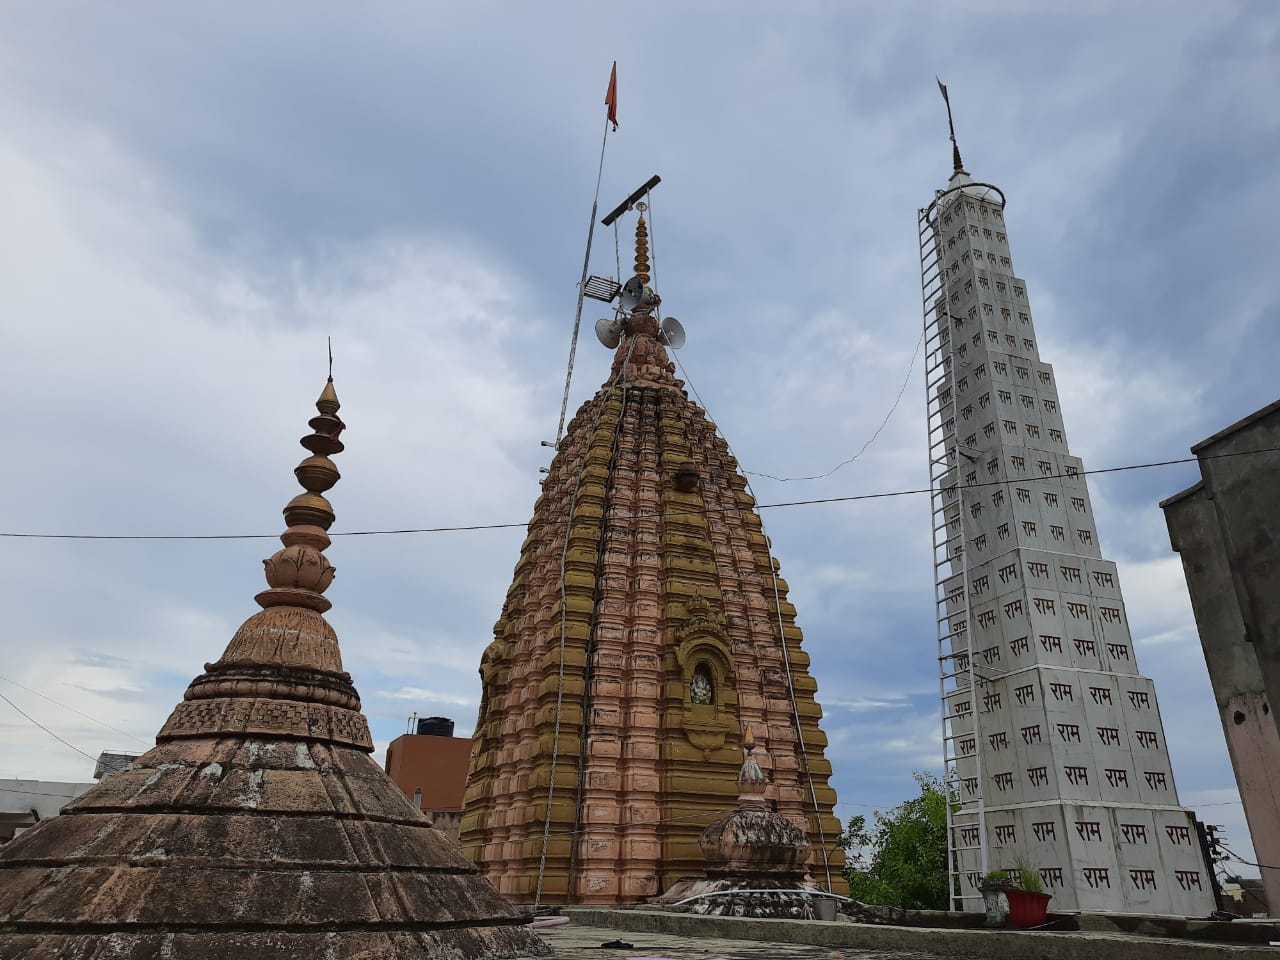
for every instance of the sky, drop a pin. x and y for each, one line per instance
(195, 197)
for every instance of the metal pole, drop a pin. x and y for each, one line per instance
(582, 286)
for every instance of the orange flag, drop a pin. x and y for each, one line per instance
(611, 96)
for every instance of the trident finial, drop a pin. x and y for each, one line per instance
(957, 166)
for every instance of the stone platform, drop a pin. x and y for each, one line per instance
(574, 942)
(690, 937)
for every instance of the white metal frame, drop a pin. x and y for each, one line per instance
(950, 558)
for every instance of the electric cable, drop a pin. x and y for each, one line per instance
(562, 833)
(777, 602)
(75, 711)
(38, 793)
(1239, 859)
(602, 402)
(66, 743)
(863, 449)
(467, 528)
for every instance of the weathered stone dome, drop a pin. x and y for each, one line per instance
(258, 828)
(755, 842)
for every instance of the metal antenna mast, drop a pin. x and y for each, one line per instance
(582, 286)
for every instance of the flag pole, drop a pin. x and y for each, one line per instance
(582, 285)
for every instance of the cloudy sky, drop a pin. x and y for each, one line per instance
(195, 197)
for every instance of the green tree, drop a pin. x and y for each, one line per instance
(901, 861)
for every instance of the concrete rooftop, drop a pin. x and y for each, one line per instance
(664, 936)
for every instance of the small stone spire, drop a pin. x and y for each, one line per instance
(282, 671)
(752, 780)
(642, 248)
(259, 826)
(299, 574)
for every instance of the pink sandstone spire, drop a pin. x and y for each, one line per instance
(645, 627)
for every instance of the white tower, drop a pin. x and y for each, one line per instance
(1054, 748)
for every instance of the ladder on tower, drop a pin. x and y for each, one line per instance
(948, 460)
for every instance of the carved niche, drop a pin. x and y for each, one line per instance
(709, 702)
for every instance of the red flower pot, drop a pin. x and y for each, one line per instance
(1027, 909)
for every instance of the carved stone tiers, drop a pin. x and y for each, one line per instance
(258, 827)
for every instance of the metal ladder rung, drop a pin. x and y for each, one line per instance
(951, 560)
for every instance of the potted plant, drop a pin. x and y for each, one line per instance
(1028, 903)
(993, 888)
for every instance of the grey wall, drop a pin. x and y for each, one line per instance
(1226, 530)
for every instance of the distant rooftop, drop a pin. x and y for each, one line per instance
(109, 763)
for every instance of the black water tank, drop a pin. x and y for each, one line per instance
(435, 727)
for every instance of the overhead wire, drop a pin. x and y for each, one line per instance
(777, 603)
(1239, 859)
(875, 436)
(56, 703)
(559, 833)
(467, 528)
(582, 286)
(564, 614)
(584, 727)
(38, 793)
(66, 743)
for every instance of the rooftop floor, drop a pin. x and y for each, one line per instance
(661, 936)
(576, 942)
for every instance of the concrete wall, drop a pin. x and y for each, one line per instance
(435, 765)
(1057, 735)
(1227, 532)
(24, 803)
(448, 822)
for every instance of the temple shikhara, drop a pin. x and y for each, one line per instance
(645, 631)
(1054, 744)
(258, 827)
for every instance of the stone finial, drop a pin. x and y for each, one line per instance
(259, 826)
(754, 846)
(299, 574)
(753, 782)
(642, 250)
(282, 673)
